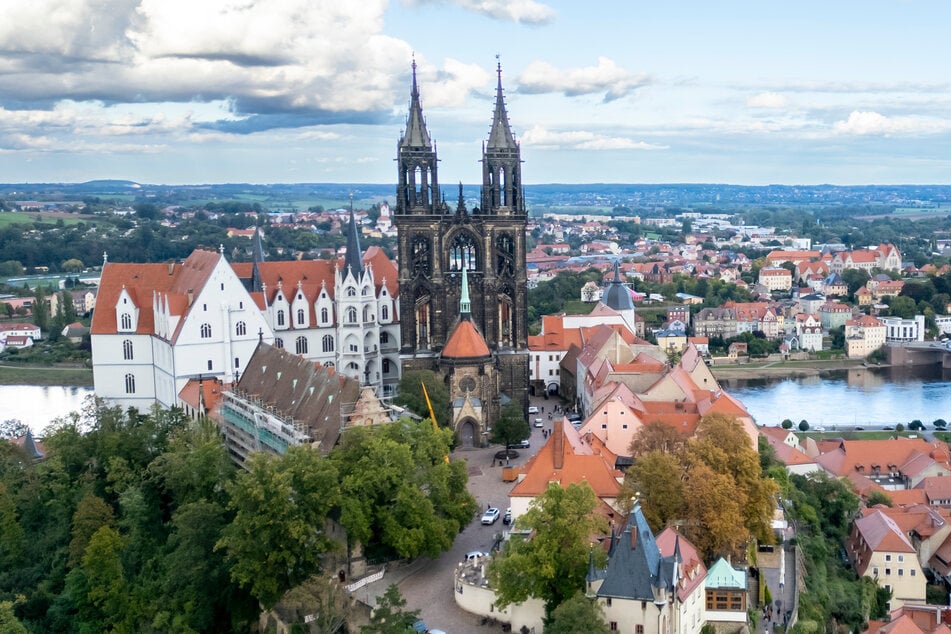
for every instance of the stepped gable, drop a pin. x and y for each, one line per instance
(172, 281)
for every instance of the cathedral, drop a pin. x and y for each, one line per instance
(462, 278)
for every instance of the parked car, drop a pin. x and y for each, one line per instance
(532, 409)
(490, 516)
(539, 422)
(525, 443)
(472, 555)
(507, 518)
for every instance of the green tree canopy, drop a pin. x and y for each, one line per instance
(551, 565)
(281, 505)
(401, 496)
(512, 427)
(578, 614)
(410, 395)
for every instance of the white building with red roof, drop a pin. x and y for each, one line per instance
(880, 550)
(157, 326)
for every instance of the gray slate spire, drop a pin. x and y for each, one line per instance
(416, 135)
(257, 256)
(501, 134)
(354, 257)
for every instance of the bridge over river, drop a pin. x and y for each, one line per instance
(919, 353)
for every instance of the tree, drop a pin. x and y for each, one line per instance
(550, 566)
(41, 310)
(401, 496)
(916, 425)
(388, 617)
(92, 513)
(902, 306)
(715, 524)
(803, 425)
(72, 265)
(658, 479)
(940, 423)
(8, 620)
(787, 424)
(410, 395)
(99, 587)
(657, 436)
(13, 428)
(878, 497)
(277, 537)
(512, 427)
(578, 614)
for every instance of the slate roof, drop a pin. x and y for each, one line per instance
(636, 568)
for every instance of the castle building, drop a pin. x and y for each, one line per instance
(438, 244)
(157, 326)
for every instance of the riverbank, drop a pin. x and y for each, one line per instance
(15, 374)
(782, 369)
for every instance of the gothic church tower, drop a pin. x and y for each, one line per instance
(437, 243)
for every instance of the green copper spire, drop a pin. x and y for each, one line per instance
(464, 305)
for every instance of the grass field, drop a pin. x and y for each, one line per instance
(21, 375)
(15, 217)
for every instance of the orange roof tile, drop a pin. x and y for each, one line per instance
(465, 342)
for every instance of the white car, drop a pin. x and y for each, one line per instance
(539, 422)
(532, 409)
(491, 516)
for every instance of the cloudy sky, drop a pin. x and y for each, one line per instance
(268, 91)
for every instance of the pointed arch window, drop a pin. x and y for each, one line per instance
(505, 254)
(324, 315)
(280, 318)
(130, 384)
(240, 329)
(463, 252)
(126, 321)
(351, 315)
(127, 350)
(385, 313)
(300, 345)
(351, 291)
(278, 343)
(327, 343)
(206, 331)
(300, 316)
(422, 262)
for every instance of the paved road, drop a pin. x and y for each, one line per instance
(426, 584)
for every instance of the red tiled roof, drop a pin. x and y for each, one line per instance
(465, 342)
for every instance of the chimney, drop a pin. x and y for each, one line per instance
(633, 537)
(558, 444)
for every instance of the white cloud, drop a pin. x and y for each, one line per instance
(875, 124)
(607, 77)
(767, 100)
(541, 137)
(527, 11)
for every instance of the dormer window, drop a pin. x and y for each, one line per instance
(126, 320)
(300, 316)
(324, 315)
(351, 292)
(280, 318)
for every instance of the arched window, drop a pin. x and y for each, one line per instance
(351, 315)
(126, 321)
(421, 259)
(280, 318)
(300, 345)
(206, 331)
(240, 329)
(127, 350)
(463, 252)
(385, 313)
(351, 291)
(328, 364)
(505, 255)
(278, 343)
(130, 384)
(324, 315)
(365, 291)
(300, 316)
(328, 343)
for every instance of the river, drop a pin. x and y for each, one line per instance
(39, 405)
(849, 398)
(857, 397)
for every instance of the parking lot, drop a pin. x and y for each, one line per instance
(426, 584)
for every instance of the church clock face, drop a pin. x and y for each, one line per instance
(467, 384)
